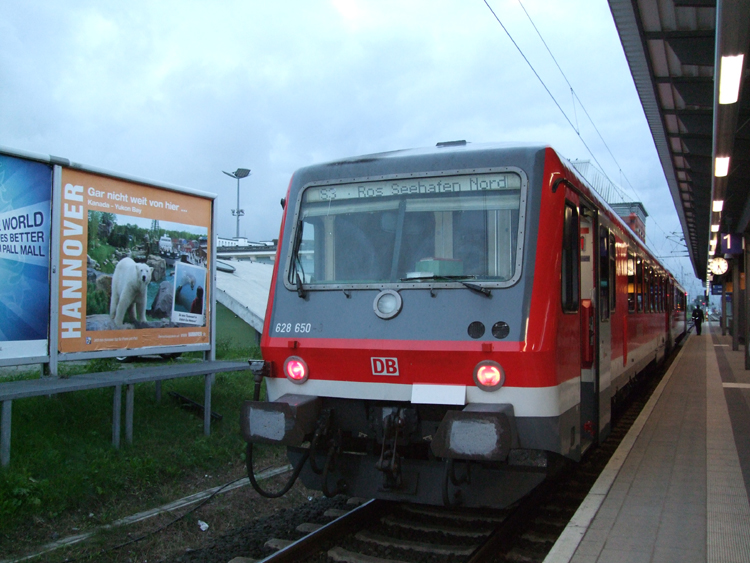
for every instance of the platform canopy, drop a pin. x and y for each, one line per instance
(675, 49)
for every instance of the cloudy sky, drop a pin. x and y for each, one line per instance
(177, 91)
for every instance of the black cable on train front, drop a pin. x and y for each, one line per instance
(249, 457)
(289, 484)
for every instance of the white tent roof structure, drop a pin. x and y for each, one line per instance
(245, 291)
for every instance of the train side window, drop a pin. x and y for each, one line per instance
(662, 294)
(639, 285)
(657, 291)
(570, 259)
(612, 273)
(605, 278)
(631, 283)
(670, 295)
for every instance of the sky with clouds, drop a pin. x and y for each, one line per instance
(177, 91)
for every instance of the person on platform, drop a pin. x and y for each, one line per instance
(698, 319)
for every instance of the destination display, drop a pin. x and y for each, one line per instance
(414, 186)
(25, 219)
(133, 265)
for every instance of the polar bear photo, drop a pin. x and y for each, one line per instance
(129, 286)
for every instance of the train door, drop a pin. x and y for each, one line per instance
(590, 325)
(607, 305)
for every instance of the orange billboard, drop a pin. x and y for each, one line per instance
(134, 265)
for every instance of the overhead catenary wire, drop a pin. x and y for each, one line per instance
(575, 96)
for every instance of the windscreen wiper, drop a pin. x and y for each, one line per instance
(460, 279)
(297, 263)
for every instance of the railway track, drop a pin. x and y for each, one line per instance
(388, 532)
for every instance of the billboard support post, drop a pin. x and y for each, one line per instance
(212, 267)
(129, 399)
(116, 410)
(207, 404)
(54, 274)
(5, 433)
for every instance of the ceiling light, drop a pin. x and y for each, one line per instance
(714, 228)
(721, 168)
(729, 81)
(718, 205)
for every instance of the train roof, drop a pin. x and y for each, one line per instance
(440, 148)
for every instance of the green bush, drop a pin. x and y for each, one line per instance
(20, 492)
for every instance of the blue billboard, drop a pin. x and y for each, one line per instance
(25, 225)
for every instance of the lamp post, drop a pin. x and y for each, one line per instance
(239, 174)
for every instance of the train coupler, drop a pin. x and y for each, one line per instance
(389, 462)
(450, 476)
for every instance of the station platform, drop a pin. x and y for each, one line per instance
(677, 487)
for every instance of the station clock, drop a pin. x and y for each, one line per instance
(718, 266)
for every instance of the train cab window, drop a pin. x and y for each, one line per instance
(605, 279)
(631, 283)
(571, 249)
(412, 231)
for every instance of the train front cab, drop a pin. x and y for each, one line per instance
(577, 346)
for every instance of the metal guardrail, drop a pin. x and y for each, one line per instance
(12, 390)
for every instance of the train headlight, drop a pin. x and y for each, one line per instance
(387, 304)
(295, 369)
(489, 375)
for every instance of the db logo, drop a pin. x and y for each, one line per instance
(384, 366)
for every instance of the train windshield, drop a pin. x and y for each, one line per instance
(415, 230)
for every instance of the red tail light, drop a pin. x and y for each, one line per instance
(489, 375)
(296, 370)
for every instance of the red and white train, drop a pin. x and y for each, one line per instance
(446, 324)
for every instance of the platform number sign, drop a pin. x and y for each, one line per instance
(731, 244)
